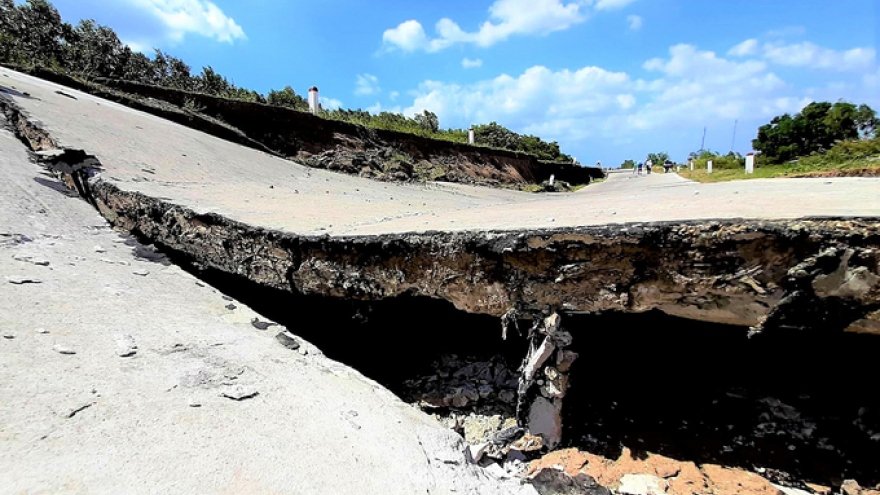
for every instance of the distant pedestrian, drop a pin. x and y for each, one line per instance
(667, 166)
(648, 165)
(639, 168)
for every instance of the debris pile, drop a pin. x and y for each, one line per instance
(466, 384)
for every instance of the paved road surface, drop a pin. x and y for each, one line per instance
(162, 159)
(97, 423)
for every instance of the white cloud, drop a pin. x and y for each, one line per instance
(330, 103)
(745, 49)
(506, 18)
(810, 55)
(635, 22)
(807, 55)
(367, 84)
(182, 17)
(538, 94)
(471, 64)
(690, 87)
(394, 95)
(408, 36)
(612, 4)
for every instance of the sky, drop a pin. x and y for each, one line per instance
(609, 80)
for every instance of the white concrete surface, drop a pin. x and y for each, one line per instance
(162, 159)
(88, 421)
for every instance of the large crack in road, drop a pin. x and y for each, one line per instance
(804, 282)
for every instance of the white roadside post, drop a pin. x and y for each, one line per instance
(691, 164)
(471, 136)
(709, 167)
(750, 163)
(314, 106)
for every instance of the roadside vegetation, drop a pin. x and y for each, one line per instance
(823, 140)
(32, 34)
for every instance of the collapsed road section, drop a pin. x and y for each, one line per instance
(799, 278)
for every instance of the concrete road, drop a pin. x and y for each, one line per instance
(162, 159)
(77, 418)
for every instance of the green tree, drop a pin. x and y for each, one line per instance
(212, 83)
(427, 121)
(287, 97)
(658, 158)
(628, 164)
(816, 128)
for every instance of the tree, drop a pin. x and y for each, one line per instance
(211, 83)
(287, 97)
(35, 32)
(138, 67)
(658, 158)
(428, 121)
(816, 128)
(94, 50)
(628, 164)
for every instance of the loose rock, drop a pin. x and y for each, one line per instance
(60, 349)
(288, 340)
(262, 325)
(240, 393)
(22, 280)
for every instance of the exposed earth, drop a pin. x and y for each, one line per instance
(124, 372)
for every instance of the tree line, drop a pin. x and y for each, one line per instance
(33, 34)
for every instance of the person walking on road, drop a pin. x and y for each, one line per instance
(648, 165)
(638, 168)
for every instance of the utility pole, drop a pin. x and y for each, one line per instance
(703, 143)
(733, 142)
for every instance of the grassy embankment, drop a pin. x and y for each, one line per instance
(846, 159)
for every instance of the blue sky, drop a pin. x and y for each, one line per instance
(607, 79)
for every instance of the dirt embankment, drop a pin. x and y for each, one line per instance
(378, 153)
(336, 145)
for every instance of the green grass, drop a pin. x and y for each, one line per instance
(848, 158)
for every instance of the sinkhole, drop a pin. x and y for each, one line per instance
(791, 405)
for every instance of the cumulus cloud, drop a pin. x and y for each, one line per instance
(506, 18)
(366, 84)
(812, 56)
(408, 36)
(471, 64)
(807, 55)
(538, 94)
(201, 17)
(688, 87)
(635, 22)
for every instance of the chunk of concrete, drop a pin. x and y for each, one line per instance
(545, 420)
(642, 484)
